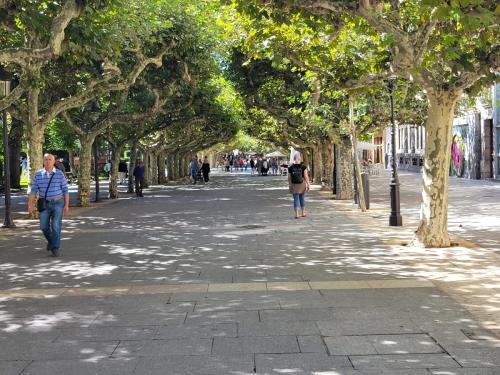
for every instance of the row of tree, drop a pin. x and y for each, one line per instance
(136, 72)
(317, 72)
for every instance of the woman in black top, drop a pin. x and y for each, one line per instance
(298, 184)
(205, 169)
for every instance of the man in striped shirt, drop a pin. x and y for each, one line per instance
(57, 196)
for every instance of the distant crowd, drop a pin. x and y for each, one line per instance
(258, 165)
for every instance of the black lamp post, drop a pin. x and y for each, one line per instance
(95, 107)
(395, 220)
(5, 90)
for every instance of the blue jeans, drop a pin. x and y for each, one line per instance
(298, 201)
(51, 223)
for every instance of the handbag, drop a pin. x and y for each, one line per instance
(42, 203)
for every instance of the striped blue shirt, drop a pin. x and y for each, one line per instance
(58, 187)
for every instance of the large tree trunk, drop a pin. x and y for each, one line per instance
(131, 166)
(34, 135)
(357, 165)
(84, 178)
(343, 166)
(318, 164)
(15, 146)
(113, 178)
(327, 158)
(162, 178)
(433, 227)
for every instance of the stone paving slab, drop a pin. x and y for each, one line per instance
(300, 363)
(405, 361)
(468, 371)
(245, 345)
(197, 365)
(138, 319)
(12, 367)
(311, 344)
(297, 314)
(156, 348)
(56, 351)
(382, 344)
(205, 331)
(97, 366)
(108, 333)
(484, 357)
(367, 327)
(272, 328)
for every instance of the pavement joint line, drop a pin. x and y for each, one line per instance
(215, 288)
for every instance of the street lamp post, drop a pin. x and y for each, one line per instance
(395, 220)
(5, 89)
(96, 169)
(94, 109)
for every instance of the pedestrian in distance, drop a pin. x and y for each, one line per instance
(51, 187)
(60, 165)
(107, 168)
(252, 166)
(298, 184)
(193, 169)
(205, 169)
(122, 171)
(139, 178)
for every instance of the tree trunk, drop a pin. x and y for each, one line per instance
(318, 164)
(343, 165)
(35, 138)
(175, 167)
(147, 174)
(133, 157)
(180, 166)
(306, 158)
(170, 169)
(154, 168)
(357, 165)
(15, 146)
(162, 178)
(84, 178)
(433, 227)
(113, 179)
(327, 158)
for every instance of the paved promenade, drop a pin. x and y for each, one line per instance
(220, 279)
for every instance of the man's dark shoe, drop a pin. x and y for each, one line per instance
(49, 247)
(55, 252)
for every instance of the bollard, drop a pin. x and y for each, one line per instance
(366, 189)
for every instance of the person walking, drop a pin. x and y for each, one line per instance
(205, 169)
(298, 184)
(139, 178)
(122, 171)
(193, 168)
(107, 168)
(53, 195)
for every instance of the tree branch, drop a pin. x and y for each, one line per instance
(24, 56)
(100, 87)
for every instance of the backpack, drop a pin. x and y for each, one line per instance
(297, 174)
